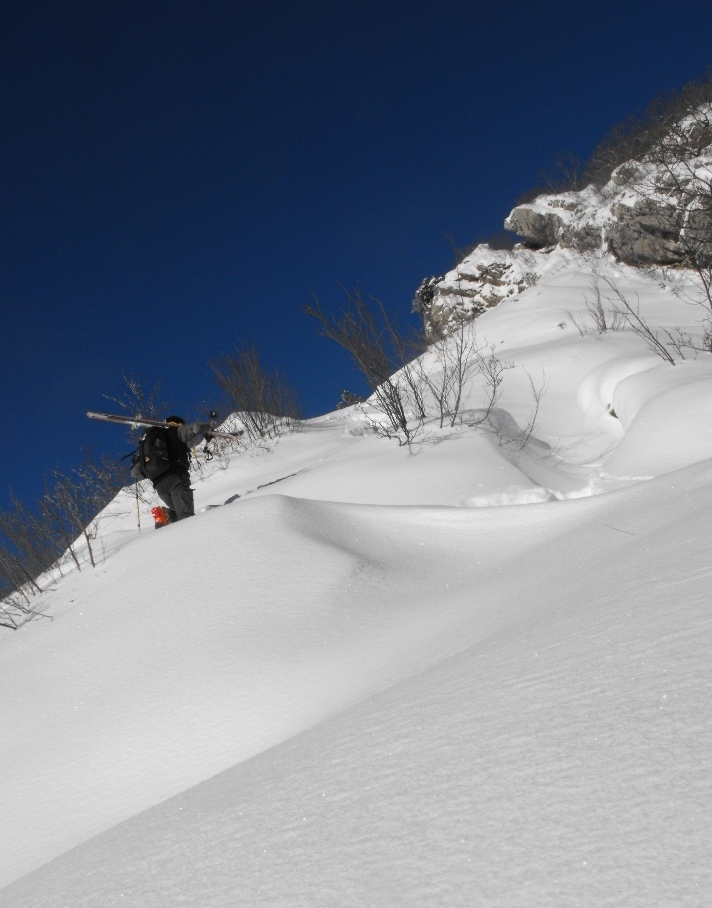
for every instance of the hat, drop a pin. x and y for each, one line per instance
(178, 419)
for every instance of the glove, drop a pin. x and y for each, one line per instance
(208, 437)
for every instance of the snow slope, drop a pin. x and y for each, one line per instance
(466, 675)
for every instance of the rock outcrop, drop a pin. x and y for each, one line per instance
(656, 211)
(483, 279)
(638, 231)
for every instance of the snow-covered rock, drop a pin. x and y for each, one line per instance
(652, 211)
(483, 279)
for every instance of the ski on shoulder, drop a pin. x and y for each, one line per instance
(144, 421)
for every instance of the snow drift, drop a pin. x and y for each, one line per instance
(470, 673)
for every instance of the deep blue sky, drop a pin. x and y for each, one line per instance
(178, 175)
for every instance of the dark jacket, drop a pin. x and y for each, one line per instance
(179, 440)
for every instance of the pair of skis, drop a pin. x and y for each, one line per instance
(142, 421)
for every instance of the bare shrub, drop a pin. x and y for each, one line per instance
(457, 359)
(27, 550)
(17, 570)
(636, 136)
(138, 400)
(510, 436)
(683, 182)
(632, 139)
(101, 477)
(492, 370)
(39, 539)
(265, 401)
(598, 318)
(68, 510)
(638, 324)
(410, 389)
(383, 354)
(28, 543)
(537, 393)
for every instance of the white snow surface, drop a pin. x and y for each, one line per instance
(468, 674)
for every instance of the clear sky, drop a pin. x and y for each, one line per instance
(181, 175)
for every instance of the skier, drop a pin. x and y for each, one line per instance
(173, 484)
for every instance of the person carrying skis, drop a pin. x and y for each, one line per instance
(169, 450)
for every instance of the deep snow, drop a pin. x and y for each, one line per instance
(466, 675)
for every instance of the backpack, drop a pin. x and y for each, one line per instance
(153, 457)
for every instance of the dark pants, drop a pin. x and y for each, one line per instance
(175, 492)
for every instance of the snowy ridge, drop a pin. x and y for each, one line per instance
(476, 673)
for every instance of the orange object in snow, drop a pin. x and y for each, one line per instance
(160, 517)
